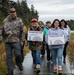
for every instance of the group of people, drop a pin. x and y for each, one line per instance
(13, 29)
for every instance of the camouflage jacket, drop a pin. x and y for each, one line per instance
(13, 29)
(35, 45)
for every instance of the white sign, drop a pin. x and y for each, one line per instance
(35, 36)
(56, 40)
(66, 31)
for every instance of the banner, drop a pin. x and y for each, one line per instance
(56, 40)
(35, 36)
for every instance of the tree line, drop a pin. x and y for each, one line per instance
(22, 9)
(71, 24)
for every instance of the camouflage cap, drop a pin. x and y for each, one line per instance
(12, 9)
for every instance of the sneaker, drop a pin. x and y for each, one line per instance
(55, 71)
(20, 67)
(59, 72)
(38, 71)
(59, 67)
(38, 68)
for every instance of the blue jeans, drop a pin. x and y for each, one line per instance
(57, 54)
(36, 56)
(9, 55)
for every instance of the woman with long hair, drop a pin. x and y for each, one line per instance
(66, 29)
(56, 49)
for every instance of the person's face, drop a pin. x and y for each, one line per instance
(34, 24)
(49, 25)
(56, 24)
(40, 24)
(12, 14)
(62, 23)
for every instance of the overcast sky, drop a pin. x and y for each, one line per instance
(51, 9)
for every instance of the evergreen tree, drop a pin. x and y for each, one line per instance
(22, 9)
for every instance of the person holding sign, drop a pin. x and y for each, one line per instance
(35, 43)
(56, 39)
(66, 29)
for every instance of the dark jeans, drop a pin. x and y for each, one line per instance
(9, 55)
(36, 56)
(65, 47)
(48, 53)
(43, 50)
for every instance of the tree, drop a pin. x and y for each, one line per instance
(22, 9)
(34, 13)
(71, 24)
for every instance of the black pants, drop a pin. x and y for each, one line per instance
(64, 52)
(48, 53)
(43, 50)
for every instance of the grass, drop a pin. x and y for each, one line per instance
(72, 36)
(2, 60)
(70, 49)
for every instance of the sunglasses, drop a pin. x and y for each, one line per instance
(12, 12)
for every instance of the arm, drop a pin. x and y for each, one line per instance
(69, 31)
(65, 36)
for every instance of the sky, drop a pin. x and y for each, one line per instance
(53, 9)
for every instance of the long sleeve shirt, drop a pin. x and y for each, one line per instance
(13, 29)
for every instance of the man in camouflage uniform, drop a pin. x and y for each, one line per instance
(13, 28)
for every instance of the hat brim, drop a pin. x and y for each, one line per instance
(33, 21)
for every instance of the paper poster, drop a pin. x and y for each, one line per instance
(56, 40)
(35, 36)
